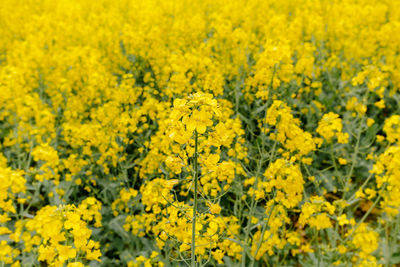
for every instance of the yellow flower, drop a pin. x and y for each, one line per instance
(199, 120)
(218, 255)
(46, 253)
(65, 252)
(331, 125)
(93, 254)
(392, 128)
(380, 104)
(215, 209)
(342, 249)
(380, 138)
(75, 264)
(342, 220)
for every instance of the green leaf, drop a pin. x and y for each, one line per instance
(116, 225)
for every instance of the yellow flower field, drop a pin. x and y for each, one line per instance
(199, 133)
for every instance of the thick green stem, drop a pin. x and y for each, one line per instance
(195, 176)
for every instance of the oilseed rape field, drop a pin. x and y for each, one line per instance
(199, 133)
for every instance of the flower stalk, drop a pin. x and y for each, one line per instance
(195, 177)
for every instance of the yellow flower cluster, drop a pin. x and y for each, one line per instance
(392, 129)
(330, 126)
(49, 162)
(359, 108)
(12, 186)
(60, 235)
(316, 213)
(172, 227)
(288, 131)
(365, 242)
(284, 181)
(275, 237)
(124, 201)
(147, 262)
(12, 183)
(387, 170)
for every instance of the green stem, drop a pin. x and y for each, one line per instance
(388, 252)
(353, 159)
(254, 201)
(194, 202)
(318, 248)
(262, 233)
(252, 207)
(332, 154)
(367, 213)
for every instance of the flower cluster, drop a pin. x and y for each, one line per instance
(60, 235)
(331, 126)
(288, 131)
(316, 213)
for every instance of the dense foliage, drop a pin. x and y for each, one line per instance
(230, 133)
